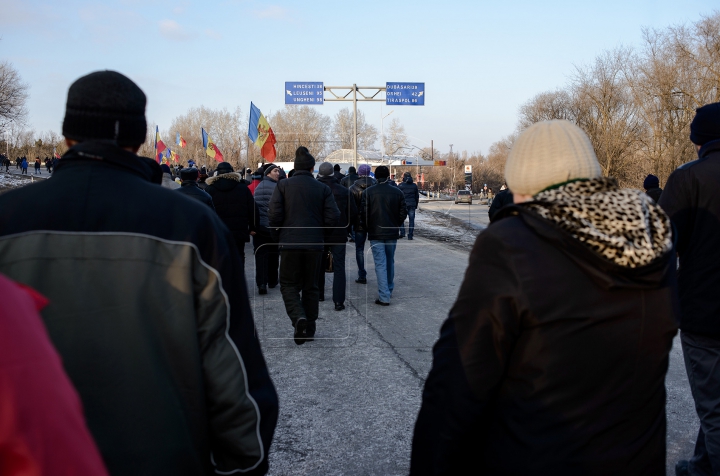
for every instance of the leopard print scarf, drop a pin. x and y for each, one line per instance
(624, 226)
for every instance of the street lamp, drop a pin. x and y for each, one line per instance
(382, 129)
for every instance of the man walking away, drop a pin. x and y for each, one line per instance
(336, 237)
(504, 197)
(652, 187)
(267, 257)
(234, 204)
(148, 305)
(412, 198)
(357, 190)
(189, 187)
(167, 178)
(337, 174)
(692, 201)
(553, 358)
(350, 178)
(382, 211)
(24, 166)
(300, 210)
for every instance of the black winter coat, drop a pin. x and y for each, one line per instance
(348, 210)
(654, 193)
(149, 312)
(349, 180)
(357, 190)
(235, 205)
(692, 201)
(552, 361)
(191, 189)
(410, 191)
(382, 211)
(300, 210)
(504, 197)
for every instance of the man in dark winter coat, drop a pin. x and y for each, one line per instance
(267, 257)
(189, 187)
(554, 355)
(357, 190)
(692, 201)
(336, 237)
(504, 197)
(301, 208)
(652, 187)
(148, 304)
(234, 204)
(350, 178)
(382, 211)
(337, 174)
(412, 198)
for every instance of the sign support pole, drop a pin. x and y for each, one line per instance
(355, 132)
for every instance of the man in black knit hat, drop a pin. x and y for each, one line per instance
(300, 211)
(691, 200)
(148, 303)
(189, 187)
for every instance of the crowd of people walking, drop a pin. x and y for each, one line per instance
(551, 361)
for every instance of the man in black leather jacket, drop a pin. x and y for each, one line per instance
(383, 210)
(190, 187)
(357, 190)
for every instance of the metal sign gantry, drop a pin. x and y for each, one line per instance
(310, 93)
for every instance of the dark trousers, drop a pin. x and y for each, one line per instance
(298, 284)
(702, 363)
(267, 259)
(411, 227)
(339, 281)
(360, 238)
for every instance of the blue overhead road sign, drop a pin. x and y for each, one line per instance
(405, 94)
(304, 92)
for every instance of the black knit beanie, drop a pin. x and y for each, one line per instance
(304, 161)
(189, 174)
(382, 172)
(706, 125)
(224, 168)
(106, 105)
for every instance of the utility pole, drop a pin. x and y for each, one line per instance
(453, 167)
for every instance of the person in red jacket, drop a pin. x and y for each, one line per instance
(42, 427)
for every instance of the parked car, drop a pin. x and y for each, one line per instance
(464, 196)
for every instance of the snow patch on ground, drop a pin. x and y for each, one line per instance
(445, 228)
(8, 182)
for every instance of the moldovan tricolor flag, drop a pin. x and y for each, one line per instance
(261, 133)
(210, 148)
(159, 145)
(179, 140)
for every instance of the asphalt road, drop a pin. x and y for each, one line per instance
(348, 400)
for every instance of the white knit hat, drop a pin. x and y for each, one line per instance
(549, 153)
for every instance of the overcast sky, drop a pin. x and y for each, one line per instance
(479, 60)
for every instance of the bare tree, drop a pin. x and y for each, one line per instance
(395, 137)
(300, 125)
(342, 130)
(13, 95)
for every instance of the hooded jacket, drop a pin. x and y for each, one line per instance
(553, 357)
(234, 204)
(410, 191)
(691, 200)
(149, 312)
(357, 190)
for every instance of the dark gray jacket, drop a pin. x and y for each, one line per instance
(191, 189)
(410, 190)
(263, 194)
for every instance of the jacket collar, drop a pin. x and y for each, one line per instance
(302, 172)
(114, 156)
(708, 148)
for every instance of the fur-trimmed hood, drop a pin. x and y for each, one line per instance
(230, 176)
